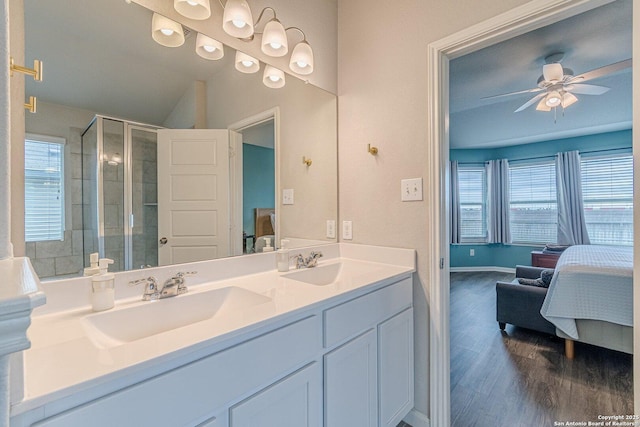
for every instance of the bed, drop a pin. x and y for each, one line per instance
(590, 298)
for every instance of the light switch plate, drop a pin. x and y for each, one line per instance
(411, 189)
(331, 229)
(287, 196)
(347, 230)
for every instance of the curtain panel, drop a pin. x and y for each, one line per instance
(498, 201)
(572, 227)
(454, 197)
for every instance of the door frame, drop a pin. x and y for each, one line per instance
(517, 21)
(235, 175)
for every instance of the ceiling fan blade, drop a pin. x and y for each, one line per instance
(542, 106)
(602, 71)
(530, 102)
(534, 90)
(552, 72)
(585, 89)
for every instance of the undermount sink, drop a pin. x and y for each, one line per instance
(116, 327)
(320, 276)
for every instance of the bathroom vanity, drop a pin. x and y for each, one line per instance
(325, 346)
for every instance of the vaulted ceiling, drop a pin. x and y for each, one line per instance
(593, 39)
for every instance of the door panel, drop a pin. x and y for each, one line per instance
(193, 194)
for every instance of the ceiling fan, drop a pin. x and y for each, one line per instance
(557, 85)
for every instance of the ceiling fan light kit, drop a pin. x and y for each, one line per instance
(237, 21)
(557, 84)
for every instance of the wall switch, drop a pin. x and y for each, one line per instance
(347, 230)
(411, 189)
(287, 196)
(472, 252)
(331, 229)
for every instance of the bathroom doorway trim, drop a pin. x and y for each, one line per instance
(517, 21)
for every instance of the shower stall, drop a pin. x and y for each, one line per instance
(119, 192)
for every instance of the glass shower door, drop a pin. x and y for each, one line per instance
(143, 217)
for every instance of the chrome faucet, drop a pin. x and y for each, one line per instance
(151, 292)
(171, 287)
(309, 262)
(175, 285)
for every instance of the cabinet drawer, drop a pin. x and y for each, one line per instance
(186, 395)
(352, 317)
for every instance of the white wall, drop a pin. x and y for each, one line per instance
(307, 128)
(382, 85)
(190, 111)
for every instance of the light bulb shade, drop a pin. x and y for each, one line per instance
(568, 99)
(246, 64)
(552, 72)
(208, 48)
(553, 99)
(237, 20)
(166, 32)
(301, 61)
(542, 106)
(273, 77)
(274, 39)
(193, 9)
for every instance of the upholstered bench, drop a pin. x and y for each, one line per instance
(519, 305)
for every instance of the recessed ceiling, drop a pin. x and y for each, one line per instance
(98, 55)
(590, 40)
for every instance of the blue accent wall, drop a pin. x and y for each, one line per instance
(258, 181)
(498, 255)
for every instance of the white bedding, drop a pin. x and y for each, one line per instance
(591, 282)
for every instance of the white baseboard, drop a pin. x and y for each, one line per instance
(482, 268)
(416, 419)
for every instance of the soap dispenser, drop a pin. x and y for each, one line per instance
(94, 268)
(267, 245)
(102, 287)
(282, 256)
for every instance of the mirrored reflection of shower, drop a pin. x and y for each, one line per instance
(119, 192)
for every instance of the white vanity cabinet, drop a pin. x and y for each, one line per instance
(369, 379)
(347, 361)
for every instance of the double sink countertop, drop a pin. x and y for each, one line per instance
(77, 355)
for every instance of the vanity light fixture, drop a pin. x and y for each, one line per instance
(166, 32)
(301, 61)
(237, 20)
(246, 64)
(193, 9)
(208, 48)
(273, 77)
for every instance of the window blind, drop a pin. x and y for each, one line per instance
(533, 206)
(44, 191)
(607, 192)
(473, 194)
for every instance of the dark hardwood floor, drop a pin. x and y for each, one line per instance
(521, 377)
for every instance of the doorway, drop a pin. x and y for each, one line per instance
(515, 22)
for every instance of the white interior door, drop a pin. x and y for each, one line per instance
(193, 195)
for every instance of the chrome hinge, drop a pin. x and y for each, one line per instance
(441, 263)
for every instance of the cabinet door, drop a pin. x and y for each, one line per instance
(295, 401)
(395, 344)
(350, 379)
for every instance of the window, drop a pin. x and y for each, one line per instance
(607, 192)
(473, 194)
(43, 189)
(533, 207)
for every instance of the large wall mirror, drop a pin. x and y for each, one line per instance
(114, 98)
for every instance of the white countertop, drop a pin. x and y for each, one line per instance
(66, 358)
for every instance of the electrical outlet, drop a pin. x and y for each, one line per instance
(411, 189)
(287, 196)
(331, 229)
(472, 252)
(347, 230)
